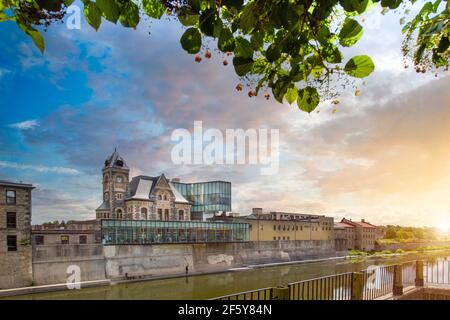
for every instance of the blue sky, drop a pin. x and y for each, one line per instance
(382, 156)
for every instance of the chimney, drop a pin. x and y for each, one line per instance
(362, 220)
(257, 210)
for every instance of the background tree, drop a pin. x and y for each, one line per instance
(291, 47)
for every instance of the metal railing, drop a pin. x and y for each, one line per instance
(373, 283)
(377, 282)
(335, 287)
(259, 294)
(437, 272)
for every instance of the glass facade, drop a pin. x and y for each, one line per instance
(212, 196)
(116, 232)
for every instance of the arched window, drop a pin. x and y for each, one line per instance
(119, 214)
(144, 213)
(165, 197)
(159, 197)
(180, 215)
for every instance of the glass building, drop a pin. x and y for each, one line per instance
(207, 198)
(116, 232)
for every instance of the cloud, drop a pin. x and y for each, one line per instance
(25, 125)
(38, 168)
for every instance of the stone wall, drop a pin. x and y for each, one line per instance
(50, 262)
(409, 246)
(99, 262)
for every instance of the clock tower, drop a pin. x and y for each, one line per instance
(116, 176)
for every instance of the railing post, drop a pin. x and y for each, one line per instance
(357, 286)
(419, 274)
(398, 280)
(280, 293)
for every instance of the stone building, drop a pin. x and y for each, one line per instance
(158, 198)
(142, 198)
(15, 233)
(361, 235)
(344, 236)
(74, 232)
(275, 226)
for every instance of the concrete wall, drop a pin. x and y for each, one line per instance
(98, 262)
(50, 262)
(409, 246)
(158, 260)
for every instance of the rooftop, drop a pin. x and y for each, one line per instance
(15, 184)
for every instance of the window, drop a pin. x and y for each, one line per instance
(83, 239)
(64, 239)
(106, 196)
(274, 238)
(10, 197)
(180, 215)
(166, 214)
(165, 197)
(39, 240)
(144, 213)
(12, 243)
(119, 214)
(274, 228)
(159, 197)
(160, 214)
(11, 221)
(119, 196)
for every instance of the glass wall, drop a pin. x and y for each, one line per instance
(210, 196)
(151, 232)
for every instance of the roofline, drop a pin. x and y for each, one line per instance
(62, 231)
(16, 184)
(200, 182)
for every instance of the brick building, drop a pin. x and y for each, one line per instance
(360, 235)
(15, 235)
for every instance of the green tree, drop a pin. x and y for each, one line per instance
(292, 47)
(391, 233)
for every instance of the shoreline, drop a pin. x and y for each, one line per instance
(14, 292)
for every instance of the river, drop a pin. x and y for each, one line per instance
(213, 285)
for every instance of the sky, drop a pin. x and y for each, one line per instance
(383, 156)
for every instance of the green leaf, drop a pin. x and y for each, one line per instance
(226, 40)
(308, 99)
(242, 66)
(291, 95)
(153, 8)
(355, 5)
(392, 4)
(350, 33)
(93, 15)
(359, 66)
(191, 40)
(248, 20)
(207, 20)
(110, 9)
(129, 16)
(280, 88)
(243, 48)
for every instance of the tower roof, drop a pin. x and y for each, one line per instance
(115, 161)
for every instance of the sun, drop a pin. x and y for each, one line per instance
(444, 227)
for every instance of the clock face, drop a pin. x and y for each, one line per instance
(119, 179)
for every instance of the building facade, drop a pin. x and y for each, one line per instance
(15, 235)
(276, 226)
(157, 198)
(74, 232)
(361, 235)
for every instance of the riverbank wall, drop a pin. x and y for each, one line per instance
(98, 262)
(409, 245)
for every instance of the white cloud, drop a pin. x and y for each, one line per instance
(25, 125)
(38, 168)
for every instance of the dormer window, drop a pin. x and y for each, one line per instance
(119, 163)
